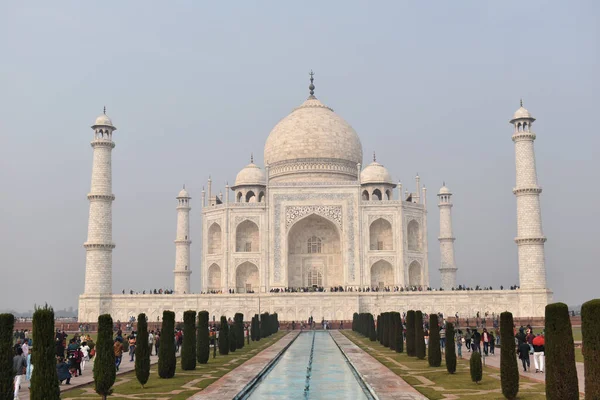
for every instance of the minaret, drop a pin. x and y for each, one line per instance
(530, 238)
(182, 244)
(99, 244)
(417, 195)
(446, 238)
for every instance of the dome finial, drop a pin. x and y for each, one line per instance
(521, 102)
(374, 157)
(104, 110)
(312, 86)
(251, 158)
(444, 183)
(184, 186)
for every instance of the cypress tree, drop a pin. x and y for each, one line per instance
(257, 323)
(44, 383)
(399, 333)
(410, 334)
(434, 350)
(450, 348)
(7, 324)
(239, 324)
(203, 345)
(385, 328)
(509, 368)
(379, 338)
(419, 336)
(232, 338)
(166, 352)
(355, 322)
(142, 351)
(372, 332)
(561, 373)
(188, 348)
(224, 337)
(590, 329)
(475, 367)
(392, 331)
(105, 371)
(252, 329)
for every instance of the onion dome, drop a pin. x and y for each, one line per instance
(522, 113)
(375, 173)
(183, 194)
(250, 175)
(444, 190)
(103, 120)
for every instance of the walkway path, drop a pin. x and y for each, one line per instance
(494, 361)
(233, 382)
(385, 383)
(88, 376)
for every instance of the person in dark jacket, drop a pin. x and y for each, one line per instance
(62, 370)
(523, 351)
(476, 346)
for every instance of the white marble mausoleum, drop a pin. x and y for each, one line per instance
(314, 217)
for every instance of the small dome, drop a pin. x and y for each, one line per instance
(103, 120)
(522, 113)
(444, 190)
(183, 194)
(375, 173)
(251, 174)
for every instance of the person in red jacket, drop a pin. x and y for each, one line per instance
(538, 353)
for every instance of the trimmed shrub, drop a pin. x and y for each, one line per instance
(105, 371)
(434, 350)
(590, 329)
(450, 348)
(419, 336)
(224, 337)
(44, 382)
(355, 322)
(385, 327)
(372, 331)
(257, 326)
(203, 342)
(166, 352)
(509, 368)
(410, 333)
(7, 324)
(142, 351)
(379, 336)
(188, 347)
(475, 367)
(239, 334)
(392, 329)
(561, 374)
(398, 335)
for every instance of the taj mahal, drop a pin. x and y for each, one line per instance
(314, 232)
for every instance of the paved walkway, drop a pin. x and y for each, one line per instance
(379, 378)
(494, 361)
(87, 377)
(234, 381)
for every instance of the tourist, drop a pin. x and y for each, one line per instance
(118, 350)
(476, 345)
(492, 343)
(132, 346)
(151, 341)
(74, 357)
(485, 337)
(85, 351)
(468, 338)
(538, 353)
(19, 369)
(29, 370)
(25, 348)
(459, 342)
(62, 370)
(529, 338)
(523, 351)
(156, 342)
(443, 338)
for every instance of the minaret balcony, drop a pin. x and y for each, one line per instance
(103, 143)
(527, 190)
(108, 197)
(530, 240)
(102, 246)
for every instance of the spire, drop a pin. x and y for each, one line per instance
(251, 158)
(521, 102)
(374, 157)
(312, 86)
(444, 183)
(184, 186)
(104, 110)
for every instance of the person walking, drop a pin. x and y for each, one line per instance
(118, 350)
(468, 338)
(492, 342)
(485, 338)
(443, 338)
(151, 341)
(19, 369)
(523, 351)
(459, 343)
(538, 353)
(131, 347)
(476, 346)
(85, 351)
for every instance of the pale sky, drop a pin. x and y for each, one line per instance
(194, 87)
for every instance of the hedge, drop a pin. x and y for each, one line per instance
(166, 351)
(509, 368)
(419, 336)
(434, 350)
(410, 333)
(450, 348)
(188, 348)
(203, 338)
(224, 337)
(105, 370)
(142, 351)
(590, 329)
(561, 373)
(7, 324)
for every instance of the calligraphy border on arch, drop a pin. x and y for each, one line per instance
(278, 198)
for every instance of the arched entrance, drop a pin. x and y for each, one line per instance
(414, 274)
(382, 274)
(214, 277)
(314, 253)
(246, 278)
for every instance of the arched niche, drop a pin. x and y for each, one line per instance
(382, 274)
(380, 235)
(247, 237)
(214, 239)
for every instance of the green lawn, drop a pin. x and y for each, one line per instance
(437, 383)
(184, 384)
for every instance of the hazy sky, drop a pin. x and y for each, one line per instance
(194, 87)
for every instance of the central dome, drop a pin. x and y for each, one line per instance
(313, 144)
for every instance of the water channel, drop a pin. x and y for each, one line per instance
(313, 367)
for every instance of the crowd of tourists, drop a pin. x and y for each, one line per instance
(151, 291)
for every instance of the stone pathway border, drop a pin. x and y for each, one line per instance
(383, 383)
(241, 378)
